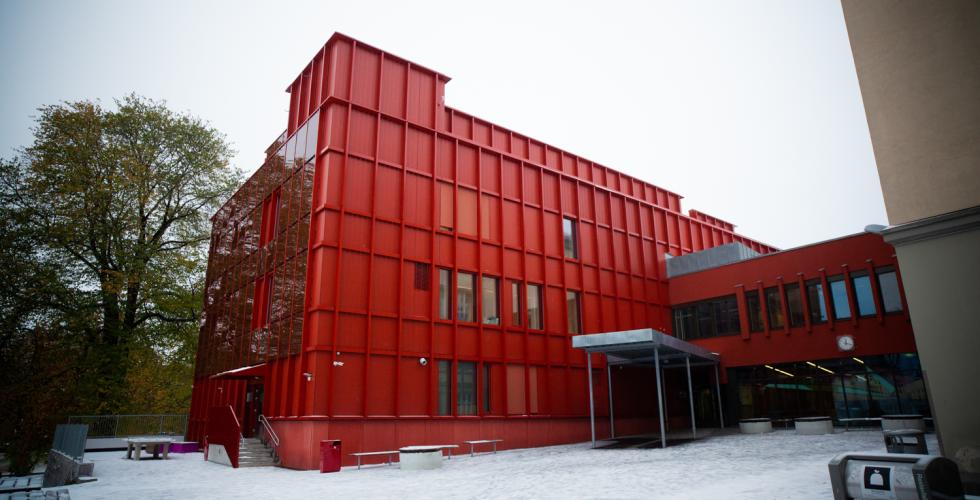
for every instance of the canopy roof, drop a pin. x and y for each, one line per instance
(638, 346)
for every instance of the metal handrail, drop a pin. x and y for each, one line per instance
(268, 429)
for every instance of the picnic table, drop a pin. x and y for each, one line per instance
(157, 444)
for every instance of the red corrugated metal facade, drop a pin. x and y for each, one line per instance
(874, 334)
(327, 266)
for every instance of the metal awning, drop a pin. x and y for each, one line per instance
(641, 347)
(259, 370)
(638, 346)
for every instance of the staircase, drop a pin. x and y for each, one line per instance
(254, 453)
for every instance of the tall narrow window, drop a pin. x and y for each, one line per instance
(270, 216)
(891, 298)
(445, 386)
(838, 295)
(863, 294)
(794, 304)
(445, 291)
(465, 299)
(446, 206)
(775, 307)
(570, 237)
(486, 388)
(262, 302)
(727, 321)
(535, 318)
(491, 301)
(684, 326)
(815, 298)
(515, 303)
(466, 388)
(754, 307)
(574, 312)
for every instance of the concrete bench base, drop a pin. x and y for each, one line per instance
(810, 426)
(420, 457)
(755, 426)
(902, 422)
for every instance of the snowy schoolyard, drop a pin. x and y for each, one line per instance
(780, 465)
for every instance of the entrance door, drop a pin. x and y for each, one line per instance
(253, 408)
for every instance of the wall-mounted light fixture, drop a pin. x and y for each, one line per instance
(308, 376)
(423, 361)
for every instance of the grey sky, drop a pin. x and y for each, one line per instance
(750, 110)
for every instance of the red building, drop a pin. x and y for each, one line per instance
(400, 272)
(822, 329)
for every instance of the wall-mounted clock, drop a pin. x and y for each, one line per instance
(845, 343)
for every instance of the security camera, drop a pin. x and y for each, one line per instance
(423, 361)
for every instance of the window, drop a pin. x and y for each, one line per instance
(422, 277)
(709, 318)
(794, 303)
(754, 310)
(570, 236)
(486, 388)
(465, 301)
(312, 125)
(270, 216)
(891, 298)
(815, 299)
(863, 294)
(838, 295)
(445, 386)
(491, 301)
(515, 303)
(574, 312)
(262, 302)
(445, 289)
(466, 388)
(535, 318)
(725, 311)
(446, 206)
(774, 307)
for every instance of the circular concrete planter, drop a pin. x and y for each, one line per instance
(420, 457)
(900, 422)
(809, 426)
(755, 425)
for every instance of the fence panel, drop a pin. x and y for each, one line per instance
(107, 426)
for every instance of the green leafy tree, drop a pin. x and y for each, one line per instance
(110, 209)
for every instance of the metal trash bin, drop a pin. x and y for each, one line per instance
(903, 477)
(906, 441)
(330, 455)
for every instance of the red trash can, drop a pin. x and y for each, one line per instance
(330, 455)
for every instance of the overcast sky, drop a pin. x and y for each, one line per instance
(750, 110)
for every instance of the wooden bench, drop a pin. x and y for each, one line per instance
(448, 447)
(483, 441)
(389, 453)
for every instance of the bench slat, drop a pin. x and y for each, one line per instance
(366, 453)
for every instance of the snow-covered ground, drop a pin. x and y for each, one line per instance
(780, 465)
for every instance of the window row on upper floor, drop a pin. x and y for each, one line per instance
(526, 301)
(720, 316)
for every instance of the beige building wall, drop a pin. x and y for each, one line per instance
(918, 64)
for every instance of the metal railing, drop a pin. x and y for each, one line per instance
(108, 426)
(271, 435)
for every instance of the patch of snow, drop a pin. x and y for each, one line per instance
(777, 465)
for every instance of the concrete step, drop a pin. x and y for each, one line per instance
(257, 463)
